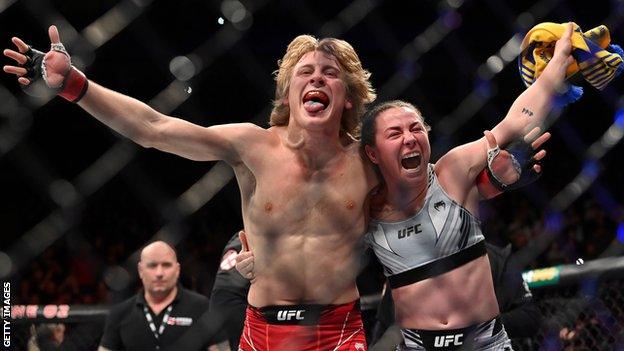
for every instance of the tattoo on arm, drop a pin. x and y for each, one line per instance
(526, 111)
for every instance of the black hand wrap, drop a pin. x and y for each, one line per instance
(33, 64)
(522, 156)
(34, 73)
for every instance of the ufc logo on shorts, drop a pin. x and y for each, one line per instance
(446, 340)
(287, 315)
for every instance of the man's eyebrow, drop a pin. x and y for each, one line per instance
(324, 66)
(158, 262)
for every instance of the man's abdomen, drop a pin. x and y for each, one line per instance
(306, 269)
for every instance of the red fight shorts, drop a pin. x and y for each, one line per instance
(304, 328)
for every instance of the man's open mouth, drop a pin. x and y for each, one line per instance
(315, 101)
(411, 160)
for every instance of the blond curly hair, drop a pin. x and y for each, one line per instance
(359, 89)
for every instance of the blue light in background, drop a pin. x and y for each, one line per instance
(620, 232)
(619, 118)
(590, 169)
(554, 222)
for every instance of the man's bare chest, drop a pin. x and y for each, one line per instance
(292, 193)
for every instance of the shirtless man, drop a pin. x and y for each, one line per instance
(424, 227)
(303, 183)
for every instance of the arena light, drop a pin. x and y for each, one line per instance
(236, 13)
(511, 49)
(182, 68)
(620, 232)
(495, 64)
(619, 118)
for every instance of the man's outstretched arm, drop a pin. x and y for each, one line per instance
(126, 115)
(150, 128)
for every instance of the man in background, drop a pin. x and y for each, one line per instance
(163, 315)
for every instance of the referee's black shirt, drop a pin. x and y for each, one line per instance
(128, 329)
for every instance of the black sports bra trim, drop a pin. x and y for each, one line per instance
(437, 267)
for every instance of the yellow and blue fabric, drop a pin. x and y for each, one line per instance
(595, 58)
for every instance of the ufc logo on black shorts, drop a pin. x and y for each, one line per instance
(446, 340)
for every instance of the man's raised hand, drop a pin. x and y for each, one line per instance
(54, 67)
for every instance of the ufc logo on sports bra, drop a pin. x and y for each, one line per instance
(446, 340)
(405, 232)
(287, 315)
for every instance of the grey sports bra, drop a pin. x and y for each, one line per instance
(440, 237)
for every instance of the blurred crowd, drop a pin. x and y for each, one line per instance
(584, 230)
(99, 271)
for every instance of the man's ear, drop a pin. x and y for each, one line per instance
(348, 104)
(371, 153)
